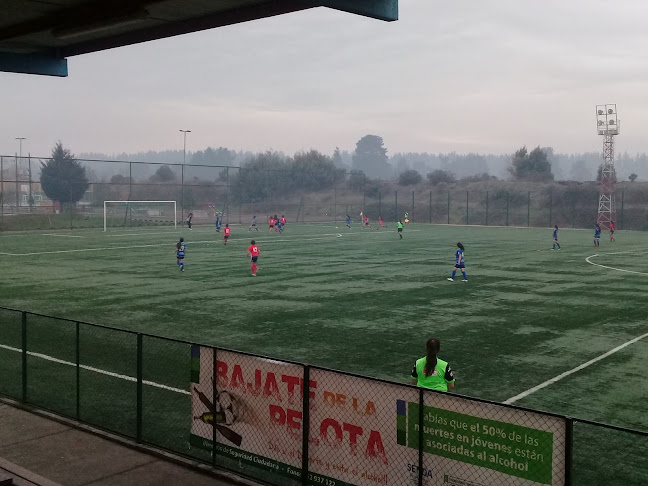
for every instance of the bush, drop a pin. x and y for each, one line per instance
(441, 176)
(409, 178)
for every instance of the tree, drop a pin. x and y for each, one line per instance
(63, 178)
(438, 176)
(163, 174)
(337, 158)
(633, 177)
(531, 166)
(370, 157)
(314, 171)
(409, 178)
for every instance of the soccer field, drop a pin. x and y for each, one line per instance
(365, 301)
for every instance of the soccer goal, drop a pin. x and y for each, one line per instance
(139, 213)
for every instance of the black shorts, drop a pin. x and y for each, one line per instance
(611, 232)
(254, 259)
(400, 230)
(225, 237)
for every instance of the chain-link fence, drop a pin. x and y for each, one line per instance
(286, 423)
(235, 195)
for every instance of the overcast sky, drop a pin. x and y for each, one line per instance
(466, 76)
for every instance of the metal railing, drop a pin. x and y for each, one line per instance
(288, 423)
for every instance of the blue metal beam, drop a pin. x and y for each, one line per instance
(377, 9)
(33, 64)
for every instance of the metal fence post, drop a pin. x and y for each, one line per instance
(78, 371)
(335, 203)
(214, 395)
(507, 208)
(305, 423)
(448, 207)
(486, 208)
(24, 355)
(528, 209)
(395, 205)
(622, 203)
(573, 208)
(17, 188)
(569, 452)
(467, 220)
(420, 437)
(1, 191)
(140, 340)
(364, 193)
(430, 205)
(31, 196)
(550, 207)
(379, 203)
(412, 216)
(130, 194)
(182, 211)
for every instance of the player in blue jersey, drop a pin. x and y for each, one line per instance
(218, 225)
(460, 263)
(597, 236)
(555, 238)
(348, 221)
(181, 248)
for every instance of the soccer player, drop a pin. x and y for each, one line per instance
(612, 231)
(366, 222)
(253, 224)
(555, 238)
(348, 221)
(380, 223)
(283, 221)
(189, 220)
(406, 218)
(459, 263)
(253, 253)
(276, 223)
(271, 223)
(226, 233)
(399, 225)
(432, 372)
(181, 248)
(597, 236)
(218, 225)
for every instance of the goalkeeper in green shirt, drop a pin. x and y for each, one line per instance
(399, 225)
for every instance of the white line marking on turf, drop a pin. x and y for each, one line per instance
(572, 371)
(612, 268)
(97, 370)
(64, 236)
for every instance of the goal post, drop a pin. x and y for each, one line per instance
(149, 211)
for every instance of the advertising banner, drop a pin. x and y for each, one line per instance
(364, 432)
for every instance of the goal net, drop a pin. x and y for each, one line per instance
(139, 213)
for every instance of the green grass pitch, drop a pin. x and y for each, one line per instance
(360, 301)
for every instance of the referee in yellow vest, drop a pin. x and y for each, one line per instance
(432, 372)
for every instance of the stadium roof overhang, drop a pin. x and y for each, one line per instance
(37, 36)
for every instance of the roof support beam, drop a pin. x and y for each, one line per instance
(33, 64)
(377, 9)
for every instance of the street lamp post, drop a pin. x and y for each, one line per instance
(184, 161)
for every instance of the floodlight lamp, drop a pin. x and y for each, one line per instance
(610, 111)
(601, 112)
(611, 122)
(600, 123)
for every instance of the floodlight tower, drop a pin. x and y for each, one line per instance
(607, 125)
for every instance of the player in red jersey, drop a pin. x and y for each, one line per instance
(253, 253)
(271, 223)
(611, 231)
(380, 223)
(227, 231)
(366, 222)
(283, 221)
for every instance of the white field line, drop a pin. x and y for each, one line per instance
(612, 268)
(154, 245)
(62, 236)
(572, 371)
(97, 370)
